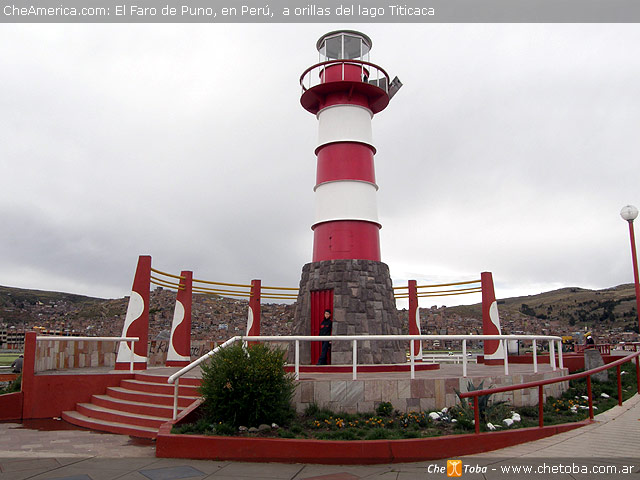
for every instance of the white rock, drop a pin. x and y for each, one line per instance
(453, 420)
(434, 416)
(584, 397)
(491, 427)
(604, 395)
(444, 410)
(508, 422)
(515, 417)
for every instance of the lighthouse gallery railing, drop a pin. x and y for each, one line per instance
(369, 73)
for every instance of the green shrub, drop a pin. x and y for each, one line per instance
(384, 409)
(13, 387)
(378, 433)
(224, 429)
(247, 386)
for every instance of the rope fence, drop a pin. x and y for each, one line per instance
(237, 290)
(167, 283)
(291, 293)
(440, 293)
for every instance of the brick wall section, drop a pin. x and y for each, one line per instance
(363, 303)
(406, 395)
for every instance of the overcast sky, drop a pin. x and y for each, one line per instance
(510, 149)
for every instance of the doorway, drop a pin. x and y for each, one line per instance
(320, 301)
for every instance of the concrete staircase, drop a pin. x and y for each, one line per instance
(137, 407)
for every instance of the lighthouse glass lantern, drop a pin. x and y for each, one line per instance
(344, 45)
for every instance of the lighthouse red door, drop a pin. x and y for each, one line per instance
(320, 301)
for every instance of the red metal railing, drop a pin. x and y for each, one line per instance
(630, 346)
(541, 383)
(603, 348)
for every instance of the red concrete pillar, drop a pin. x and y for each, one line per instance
(28, 373)
(179, 353)
(253, 320)
(493, 349)
(136, 323)
(414, 319)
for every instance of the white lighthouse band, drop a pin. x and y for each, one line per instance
(346, 200)
(345, 123)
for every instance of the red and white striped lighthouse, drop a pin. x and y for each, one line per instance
(344, 90)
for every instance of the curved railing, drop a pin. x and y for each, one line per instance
(369, 73)
(175, 378)
(540, 384)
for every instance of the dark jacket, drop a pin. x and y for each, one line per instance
(325, 326)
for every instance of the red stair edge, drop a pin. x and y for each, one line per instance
(131, 406)
(157, 399)
(152, 387)
(149, 377)
(102, 413)
(102, 426)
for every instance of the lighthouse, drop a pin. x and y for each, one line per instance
(344, 90)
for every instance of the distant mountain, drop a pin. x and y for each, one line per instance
(213, 317)
(572, 307)
(563, 310)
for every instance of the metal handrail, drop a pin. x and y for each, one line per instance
(175, 378)
(540, 383)
(342, 62)
(60, 338)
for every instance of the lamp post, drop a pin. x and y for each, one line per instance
(629, 213)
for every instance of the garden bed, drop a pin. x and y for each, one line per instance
(212, 430)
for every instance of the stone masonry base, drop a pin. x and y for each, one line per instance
(363, 304)
(420, 394)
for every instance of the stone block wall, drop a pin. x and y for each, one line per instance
(58, 355)
(363, 303)
(407, 395)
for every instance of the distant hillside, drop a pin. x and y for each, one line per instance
(10, 296)
(213, 317)
(573, 307)
(610, 312)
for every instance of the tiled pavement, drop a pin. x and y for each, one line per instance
(612, 441)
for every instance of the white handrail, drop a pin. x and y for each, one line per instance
(354, 338)
(60, 338)
(176, 376)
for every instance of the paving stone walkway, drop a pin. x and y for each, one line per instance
(613, 441)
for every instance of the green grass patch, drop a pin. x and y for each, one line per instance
(6, 359)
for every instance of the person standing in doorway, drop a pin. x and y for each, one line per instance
(325, 329)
